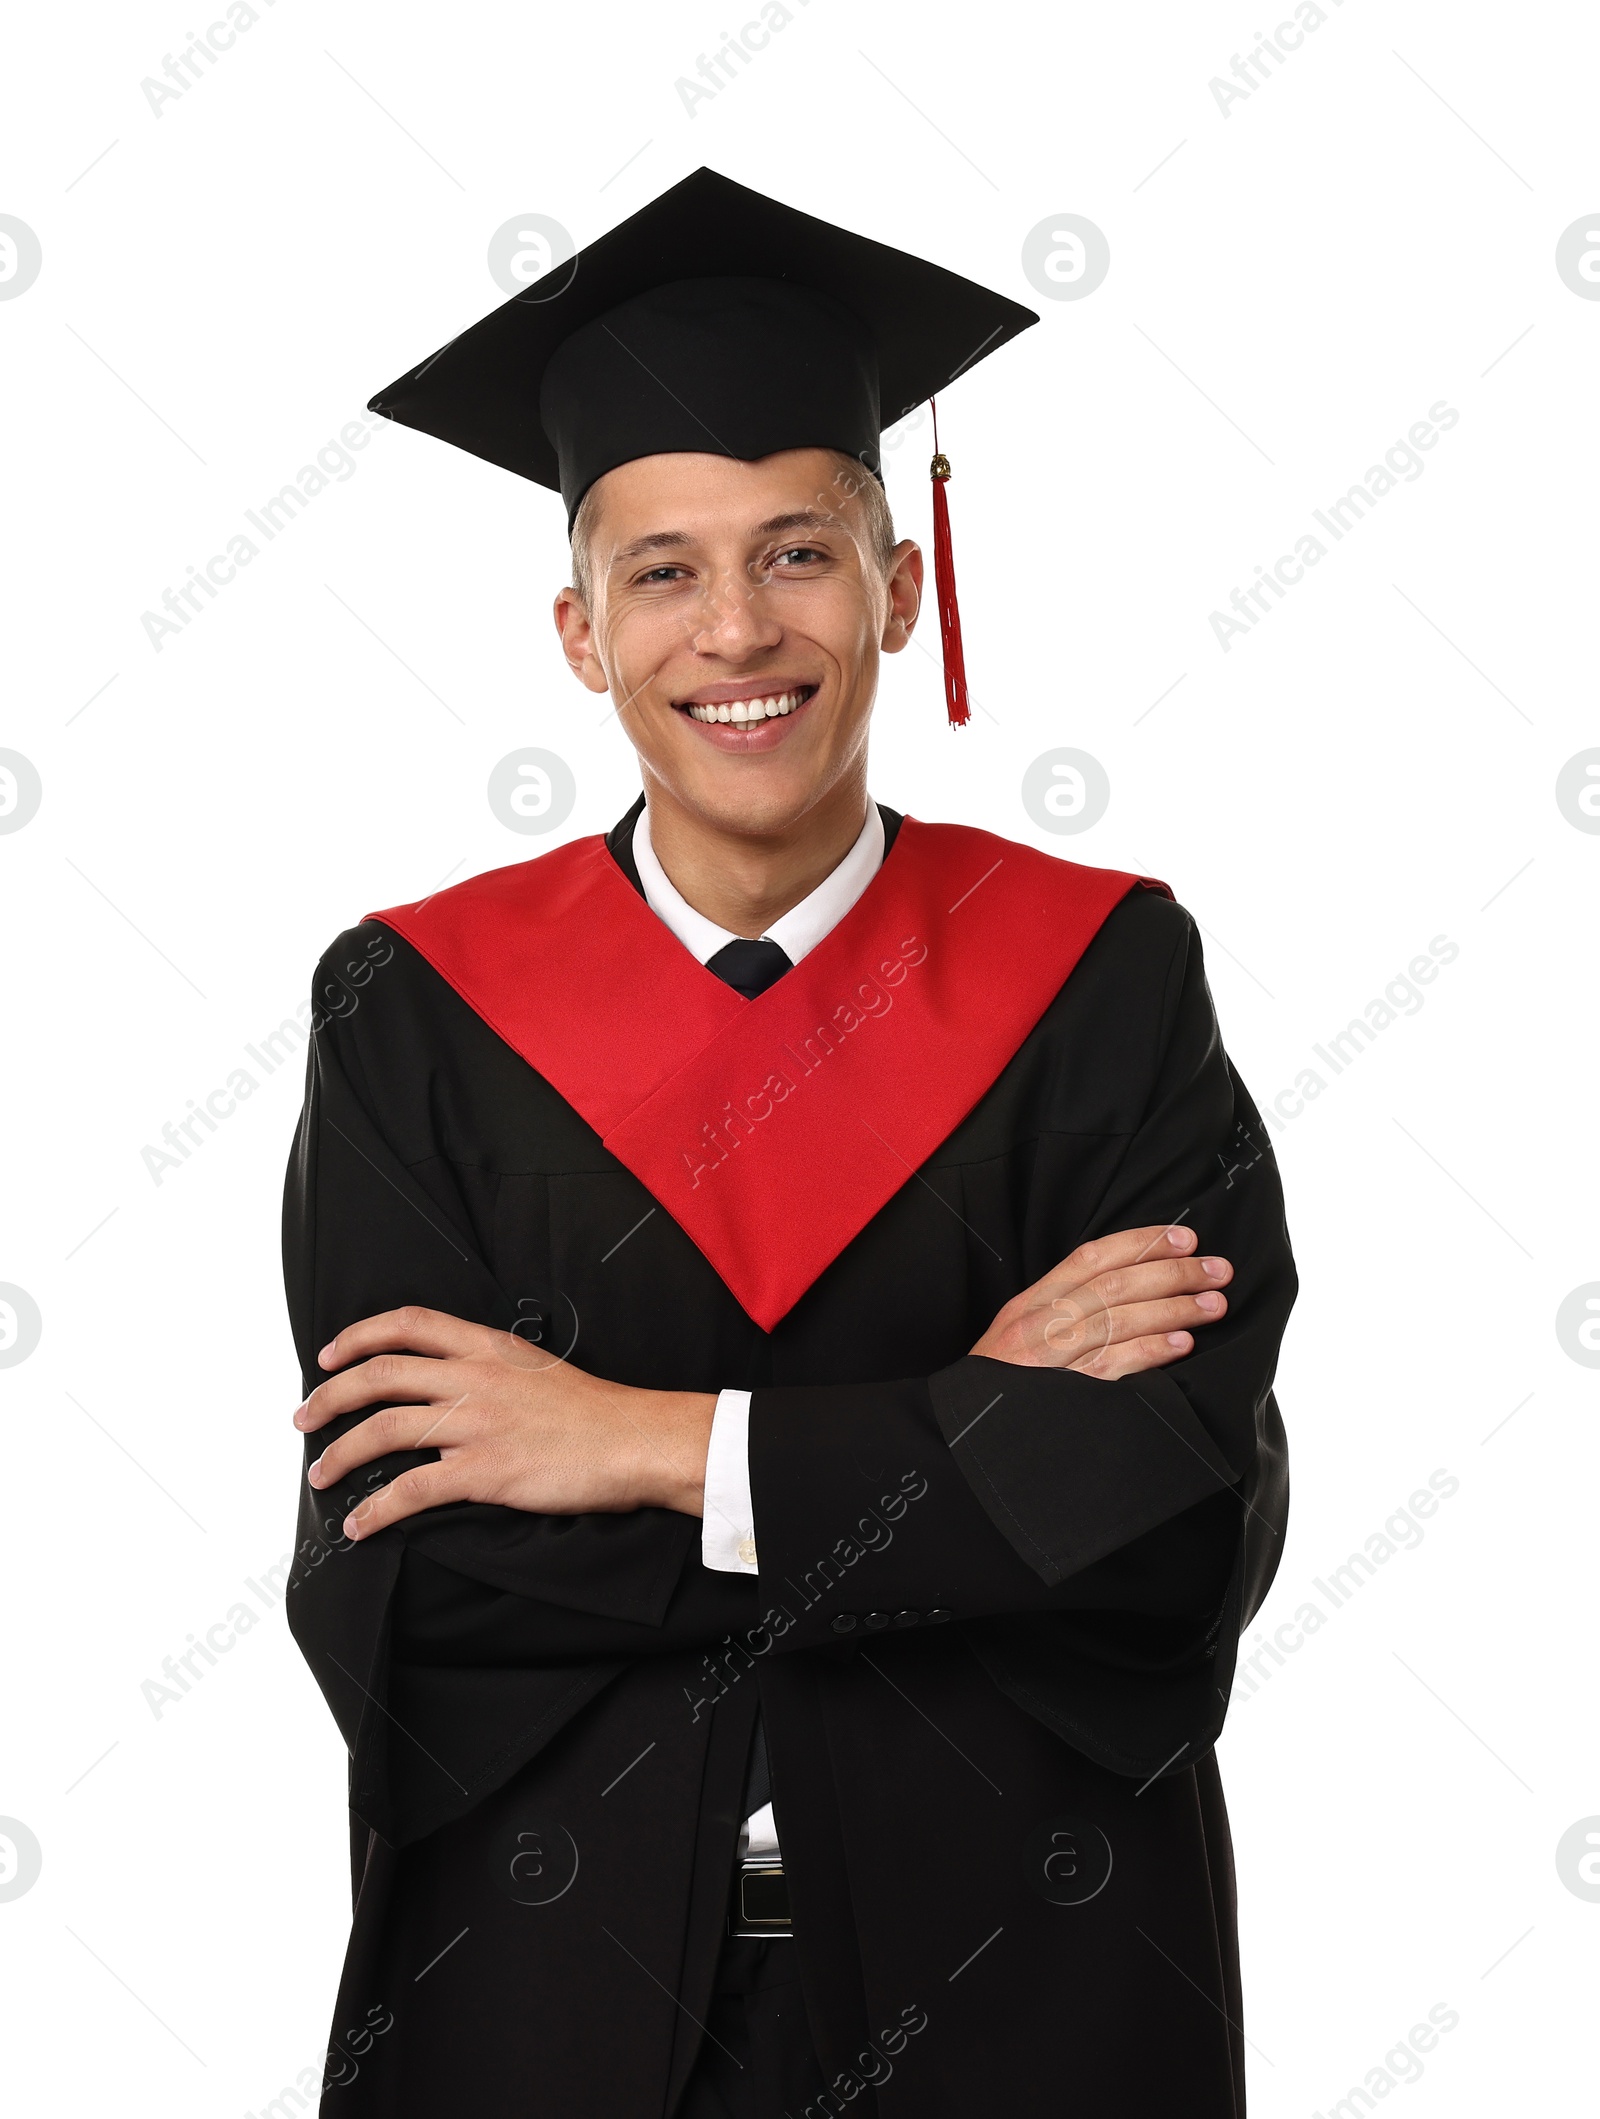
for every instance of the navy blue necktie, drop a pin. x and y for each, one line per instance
(749, 967)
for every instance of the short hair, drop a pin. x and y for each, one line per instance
(849, 479)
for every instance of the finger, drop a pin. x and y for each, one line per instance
(425, 1486)
(397, 1427)
(1124, 1247)
(402, 1376)
(412, 1330)
(1151, 1281)
(1133, 1357)
(1073, 1335)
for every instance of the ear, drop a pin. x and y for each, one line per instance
(578, 641)
(905, 596)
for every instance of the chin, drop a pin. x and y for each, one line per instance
(750, 807)
(759, 797)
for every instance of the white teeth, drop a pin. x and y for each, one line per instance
(746, 711)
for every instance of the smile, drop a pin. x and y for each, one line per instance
(746, 712)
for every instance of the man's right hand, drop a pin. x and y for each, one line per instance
(1115, 1307)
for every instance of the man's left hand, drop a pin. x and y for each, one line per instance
(513, 1425)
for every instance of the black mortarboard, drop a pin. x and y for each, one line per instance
(715, 320)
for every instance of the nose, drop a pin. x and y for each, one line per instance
(736, 619)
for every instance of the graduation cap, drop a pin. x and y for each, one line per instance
(720, 321)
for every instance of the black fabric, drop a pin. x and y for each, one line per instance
(756, 2061)
(725, 367)
(716, 320)
(749, 967)
(964, 1638)
(619, 844)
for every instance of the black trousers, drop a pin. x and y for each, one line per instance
(756, 2061)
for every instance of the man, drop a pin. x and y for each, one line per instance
(785, 1478)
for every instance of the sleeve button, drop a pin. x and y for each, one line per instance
(907, 1618)
(936, 1618)
(877, 1618)
(845, 1622)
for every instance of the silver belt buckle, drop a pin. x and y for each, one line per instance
(760, 1901)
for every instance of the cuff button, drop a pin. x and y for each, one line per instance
(747, 1551)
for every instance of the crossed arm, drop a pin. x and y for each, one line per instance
(516, 1427)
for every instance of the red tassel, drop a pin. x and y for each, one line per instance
(944, 578)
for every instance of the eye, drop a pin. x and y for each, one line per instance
(663, 573)
(797, 556)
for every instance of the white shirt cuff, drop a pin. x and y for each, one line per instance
(727, 1530)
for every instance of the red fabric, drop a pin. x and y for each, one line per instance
(944, 581)
(769, 1151)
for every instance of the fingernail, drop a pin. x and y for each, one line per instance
(315, 1473)
(1209, 1303)
(350, 1527)
(1180, 1239)
(1177, 1339)
(300, 1414)
(322, 1358)
(1216, 1267)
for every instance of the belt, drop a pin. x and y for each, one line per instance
(758, 1904)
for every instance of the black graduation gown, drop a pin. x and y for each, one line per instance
(991, 1639)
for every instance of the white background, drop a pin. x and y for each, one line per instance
(224, 284)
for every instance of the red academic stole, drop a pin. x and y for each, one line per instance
(771, 1130)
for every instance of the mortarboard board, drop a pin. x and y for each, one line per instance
(720, 321)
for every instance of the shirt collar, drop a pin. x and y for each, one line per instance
(798, 931)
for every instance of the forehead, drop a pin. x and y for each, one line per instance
(705, 497)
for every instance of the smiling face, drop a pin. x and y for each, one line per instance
(736, 615)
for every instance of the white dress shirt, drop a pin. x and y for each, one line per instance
(727, 1534)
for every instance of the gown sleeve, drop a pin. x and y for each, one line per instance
(1146, 1514)
(452, 1647)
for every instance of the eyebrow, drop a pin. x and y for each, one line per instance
(680, 540)
(657, 541)
(801, 519)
